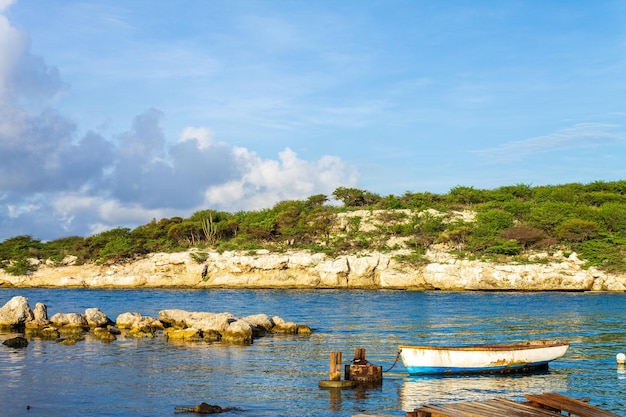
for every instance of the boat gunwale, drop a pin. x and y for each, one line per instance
(542, 344)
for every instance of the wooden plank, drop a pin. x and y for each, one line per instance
(525, 409)
(510, 409)
(373, 415)
(501, 408)
(541, 405)
(479, 410)
(584, 405)
(436, 411)
(569, 405)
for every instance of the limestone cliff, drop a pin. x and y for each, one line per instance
(299, 269)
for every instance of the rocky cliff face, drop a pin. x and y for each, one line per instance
(300, 269)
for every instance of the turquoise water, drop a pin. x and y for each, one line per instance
(278, 375)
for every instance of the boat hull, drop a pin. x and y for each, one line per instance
(503, 358)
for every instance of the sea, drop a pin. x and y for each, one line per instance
(278, 375)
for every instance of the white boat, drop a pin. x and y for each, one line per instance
(500, 358)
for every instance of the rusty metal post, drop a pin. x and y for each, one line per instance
(363, 372)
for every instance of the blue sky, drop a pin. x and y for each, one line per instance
(113, 113)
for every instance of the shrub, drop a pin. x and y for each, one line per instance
(508, 248)
(546, 216)
(525, 235)
(491, 222)
(608, 254)
(576, 230)
(20, 267)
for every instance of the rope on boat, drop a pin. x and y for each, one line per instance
(396, 361)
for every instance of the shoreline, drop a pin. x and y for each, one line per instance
(303, 270)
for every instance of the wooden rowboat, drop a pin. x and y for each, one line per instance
(500, 358)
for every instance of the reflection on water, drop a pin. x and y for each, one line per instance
(417, 391)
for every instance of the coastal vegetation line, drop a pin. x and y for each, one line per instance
(506, 225)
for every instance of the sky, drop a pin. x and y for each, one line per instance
(114, 113)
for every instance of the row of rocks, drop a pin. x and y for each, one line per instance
(176, 325)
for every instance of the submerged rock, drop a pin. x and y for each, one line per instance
(187, 335)
(67, 341)
(204, 408)
(303, 329)
(16, 342)
(104, 334)
(34, 329)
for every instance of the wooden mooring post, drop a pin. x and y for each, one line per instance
(335, 366)
(334, 375)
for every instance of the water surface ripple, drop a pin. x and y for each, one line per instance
(278, 375)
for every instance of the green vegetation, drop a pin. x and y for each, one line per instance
(506, 224)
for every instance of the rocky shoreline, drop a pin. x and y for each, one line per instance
(304, 270)
(176, 325)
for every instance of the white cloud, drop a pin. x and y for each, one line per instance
(582, 135)
(4, 4)
(203, 135)
(12, 46)
(266, 182)
(114, 213)
(54, 183)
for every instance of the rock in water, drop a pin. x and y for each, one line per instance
(16, 342)
(204, 408)
(96, 318)
(15, 312)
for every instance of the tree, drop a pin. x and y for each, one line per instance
(19, 247)
(316, 200)
(353, 197)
